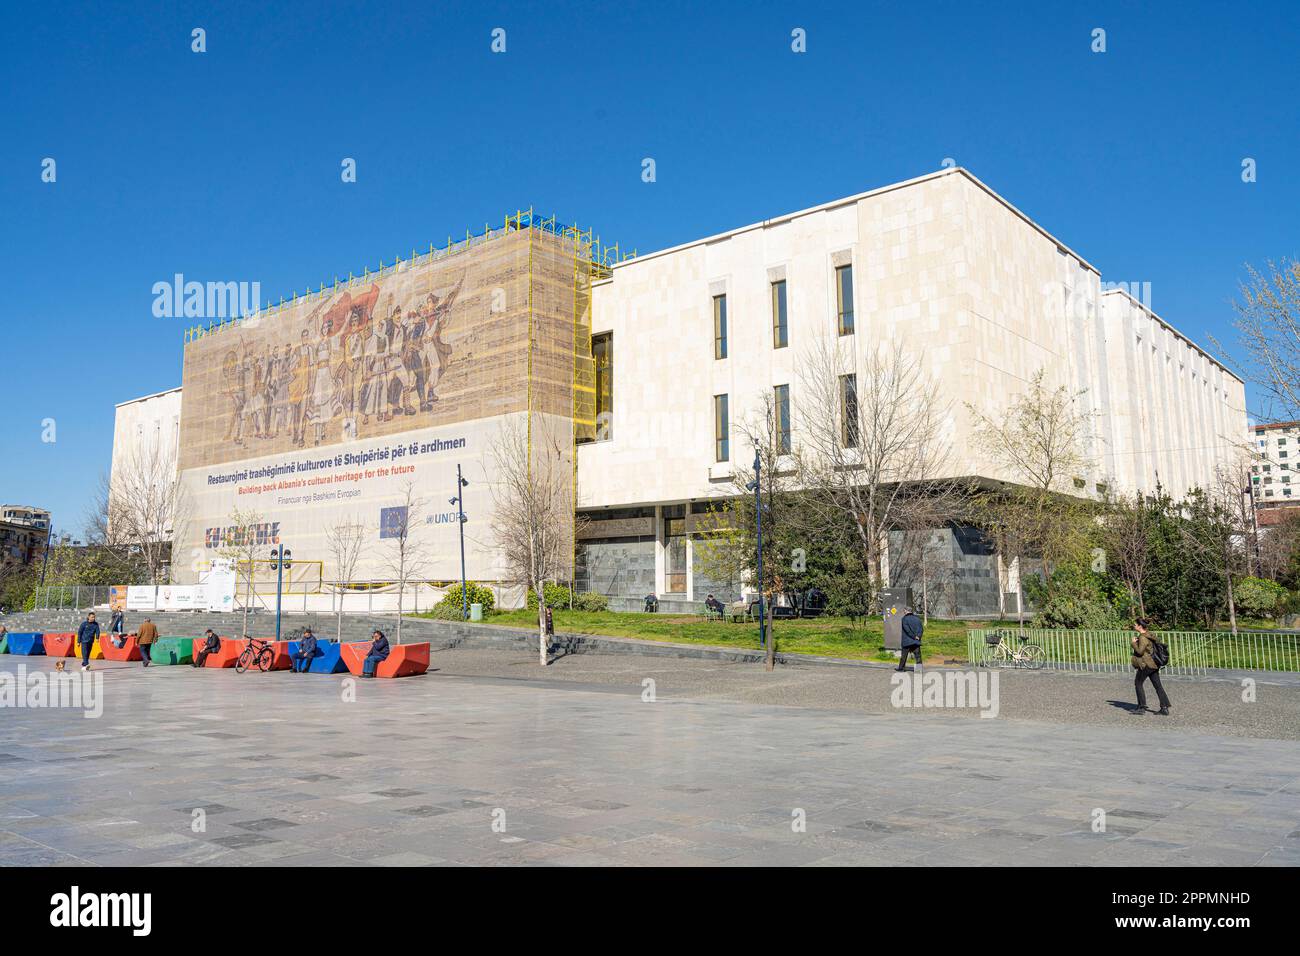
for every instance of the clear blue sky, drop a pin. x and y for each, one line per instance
(225, 165)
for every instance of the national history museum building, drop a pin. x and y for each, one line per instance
(332, 407)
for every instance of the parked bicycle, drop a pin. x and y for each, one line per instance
(1005, 654)
(257, 654)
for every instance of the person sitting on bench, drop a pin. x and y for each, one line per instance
(713, 606)
(651, 604)
(378, 653)
(306, 651)
(211, 644)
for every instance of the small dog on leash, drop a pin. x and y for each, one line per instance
(58, 666)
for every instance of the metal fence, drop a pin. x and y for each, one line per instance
(1190, 652)
(70, 597)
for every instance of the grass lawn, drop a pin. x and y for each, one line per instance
(826, 636)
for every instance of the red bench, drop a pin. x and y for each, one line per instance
(129, 651)
(225, 657)
(61, 645)
(404, 660)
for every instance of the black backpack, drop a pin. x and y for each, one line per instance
(1159, 653)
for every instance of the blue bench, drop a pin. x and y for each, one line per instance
(26, 643)
(327, 659)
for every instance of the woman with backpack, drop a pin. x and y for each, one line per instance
(1149, 655)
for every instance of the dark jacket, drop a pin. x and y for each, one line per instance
(88, 631)
(211, 643)
(379, 649)
(1142, 656)
(307, 646)
(118, 624)
(912, 630)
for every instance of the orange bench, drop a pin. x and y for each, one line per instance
(61, 645)
(280, 660)
(404, 660)
(129, 651)
(225, 657)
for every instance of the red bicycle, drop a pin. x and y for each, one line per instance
(257, 654)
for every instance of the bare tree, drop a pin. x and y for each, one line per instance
(406, 556)
(1041, 441)
(872, 446)
(245, 540)
(146, 506)
(1268, 322)
(344, 542)
(535, 521)
(1213, 534)
(1125, 534)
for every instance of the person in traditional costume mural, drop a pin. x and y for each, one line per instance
(258, 404)
(437, 351)
(321, 408)
(373, 395)
(281, 409)
(394, 372)
(299, 385)
(233, 387)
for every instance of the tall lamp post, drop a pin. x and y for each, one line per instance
(756, 487)
(459, 502)
(281, 558)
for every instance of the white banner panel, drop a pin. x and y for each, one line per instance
(299, 497)
(141, 597)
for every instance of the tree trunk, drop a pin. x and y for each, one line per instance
(401, 591)
(541, 625)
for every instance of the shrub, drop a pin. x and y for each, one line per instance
(1258, 597)
(1076, 597)
(478, 594)
(557, 596)
(590, 601)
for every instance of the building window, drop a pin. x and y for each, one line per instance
(602, 354)
(721, 429)
(844, 298)
(782, 423)
(849, 426)
(780, 326)
(719, 326)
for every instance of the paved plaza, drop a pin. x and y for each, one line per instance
(490, 760)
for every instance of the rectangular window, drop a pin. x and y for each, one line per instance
(780, 326)
(844, 298)
(721, 429)
(602, 354)
(719, 326)
(782, 395)
(849, 425)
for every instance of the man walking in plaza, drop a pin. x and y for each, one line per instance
(148, 634)
(911, 640)
(1149, 655)
(87, 634)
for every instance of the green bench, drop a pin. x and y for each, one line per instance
(173, 650)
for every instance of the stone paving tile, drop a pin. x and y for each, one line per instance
(591, 776)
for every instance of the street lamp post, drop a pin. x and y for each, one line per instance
(281, 558)
(459, 502)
